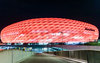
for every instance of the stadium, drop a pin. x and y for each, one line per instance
(49, 30)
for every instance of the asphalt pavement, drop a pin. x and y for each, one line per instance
(45, 58)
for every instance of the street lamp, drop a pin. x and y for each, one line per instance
(62, 40)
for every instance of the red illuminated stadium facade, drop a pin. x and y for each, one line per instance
(49, 30)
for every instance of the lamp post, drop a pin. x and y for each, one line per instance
(62, 40)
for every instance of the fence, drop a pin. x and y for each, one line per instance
(88, 55)
(13, 56)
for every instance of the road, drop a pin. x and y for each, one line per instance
(45, 58)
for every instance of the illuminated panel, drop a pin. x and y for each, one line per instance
(47, 30)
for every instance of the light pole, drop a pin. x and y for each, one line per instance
(62, 43)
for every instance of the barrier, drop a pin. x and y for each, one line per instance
(14, 56)
(89, 55)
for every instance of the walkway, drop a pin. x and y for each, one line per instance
(44, 58)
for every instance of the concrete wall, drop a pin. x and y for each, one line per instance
(89, 55)
(13, 56)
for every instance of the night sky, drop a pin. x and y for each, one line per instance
(12, 11)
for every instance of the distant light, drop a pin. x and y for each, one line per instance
(72, 43)
(43, 43)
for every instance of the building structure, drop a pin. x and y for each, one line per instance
(49, 30)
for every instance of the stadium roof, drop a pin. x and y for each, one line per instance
(47, 30)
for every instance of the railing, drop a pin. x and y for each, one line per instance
(88, 55)
(14, 56)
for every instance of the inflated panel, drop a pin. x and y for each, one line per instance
(41, 30)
